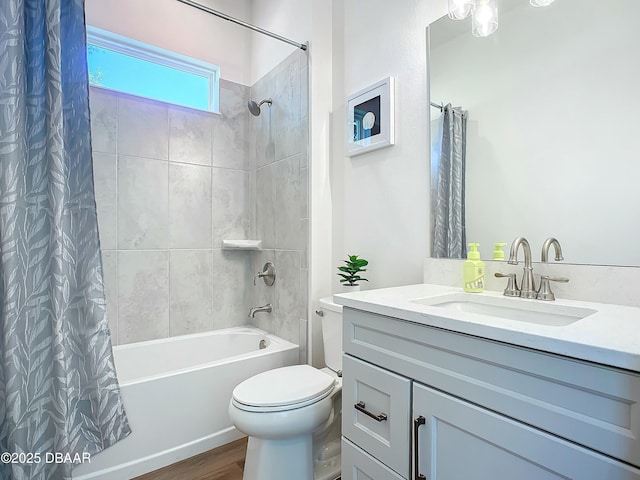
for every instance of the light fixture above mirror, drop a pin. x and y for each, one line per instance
(460, 9)
(484, 13)
(540, 3)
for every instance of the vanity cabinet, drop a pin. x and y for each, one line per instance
(451, 406)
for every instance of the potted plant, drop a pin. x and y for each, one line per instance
(350, 273)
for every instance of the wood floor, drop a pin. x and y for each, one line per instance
(224, 463)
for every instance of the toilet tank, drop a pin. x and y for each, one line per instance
(332, 333)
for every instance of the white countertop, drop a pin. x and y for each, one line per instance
(610, 336)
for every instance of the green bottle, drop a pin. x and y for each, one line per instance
(473, 270)
(498, 253)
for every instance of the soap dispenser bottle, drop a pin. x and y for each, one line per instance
(498, 252)
(473, 270)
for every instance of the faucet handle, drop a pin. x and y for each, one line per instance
(268, 274)
(512, 289)
(544, 292)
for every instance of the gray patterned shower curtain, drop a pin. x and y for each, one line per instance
(449, 236)
(58, 388)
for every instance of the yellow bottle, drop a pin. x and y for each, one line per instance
(473, 270)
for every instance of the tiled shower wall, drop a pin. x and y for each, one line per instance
(280, 155)
(171, 183)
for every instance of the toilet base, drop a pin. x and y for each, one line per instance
(327, 466)
(270, 459)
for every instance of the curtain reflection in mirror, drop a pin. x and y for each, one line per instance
(448, 154)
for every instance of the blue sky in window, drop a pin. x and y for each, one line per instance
(132, 75)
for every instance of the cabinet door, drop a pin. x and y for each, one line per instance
(375, 412)
(359, 465)
(461, 441)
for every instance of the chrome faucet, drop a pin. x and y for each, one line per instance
(527, 286)
(544, 292)
(265, 308)
(545, 249)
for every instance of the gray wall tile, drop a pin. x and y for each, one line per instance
(287, 109)
(231, 208)
(265, 206)
(189, 206)
(304, 241)
(110, 273)
(190, 134)
(304, 189)
(304, 142)
(304, 85)
(230, 283)
(143, 128)
(191, 291)
(288, 204)
(105, 174)
(262, 128)
(104, 120)
(302, 341)
(304, 293)
(231, 128)
(143, 295)
(288, 297)
(143, 203)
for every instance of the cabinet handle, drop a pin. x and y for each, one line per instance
(416, 449)
(361, 407)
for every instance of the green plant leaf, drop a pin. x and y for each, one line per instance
(352, 267)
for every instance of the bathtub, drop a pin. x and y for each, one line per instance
(176, 392)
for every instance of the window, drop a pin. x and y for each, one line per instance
(126, 65)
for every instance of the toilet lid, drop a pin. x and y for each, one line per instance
(283, 386)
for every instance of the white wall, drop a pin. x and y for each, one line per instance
(178, 27)
(382, 211)
(288, 18)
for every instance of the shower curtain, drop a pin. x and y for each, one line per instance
(59, 395)
(449, 237)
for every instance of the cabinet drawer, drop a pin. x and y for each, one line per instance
(384, 432)
(586, 403)
(359, 465)
(463, 441)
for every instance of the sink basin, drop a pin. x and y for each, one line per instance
(530, 311)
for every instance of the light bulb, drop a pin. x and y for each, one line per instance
(459, 9)
(540, 3)
(485, 18)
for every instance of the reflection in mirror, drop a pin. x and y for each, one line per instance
(448, 149)
(552, 126)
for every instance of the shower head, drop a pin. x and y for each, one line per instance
(254, 107)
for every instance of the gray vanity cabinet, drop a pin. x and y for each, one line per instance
(450, 406)
(460, 440)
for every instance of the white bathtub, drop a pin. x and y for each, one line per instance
(176, 392)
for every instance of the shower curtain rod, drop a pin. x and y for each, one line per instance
(224, 16)
(437, 105)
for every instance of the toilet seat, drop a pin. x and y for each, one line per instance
(283, 389)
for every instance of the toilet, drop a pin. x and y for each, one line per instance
(292, 414)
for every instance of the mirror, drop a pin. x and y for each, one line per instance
(553, 136)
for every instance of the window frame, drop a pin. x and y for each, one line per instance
(161, 56)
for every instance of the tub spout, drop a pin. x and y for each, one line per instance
(265, 308)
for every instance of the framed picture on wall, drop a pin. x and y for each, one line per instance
(370, 124)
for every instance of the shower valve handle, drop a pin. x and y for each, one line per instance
(268, 274)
